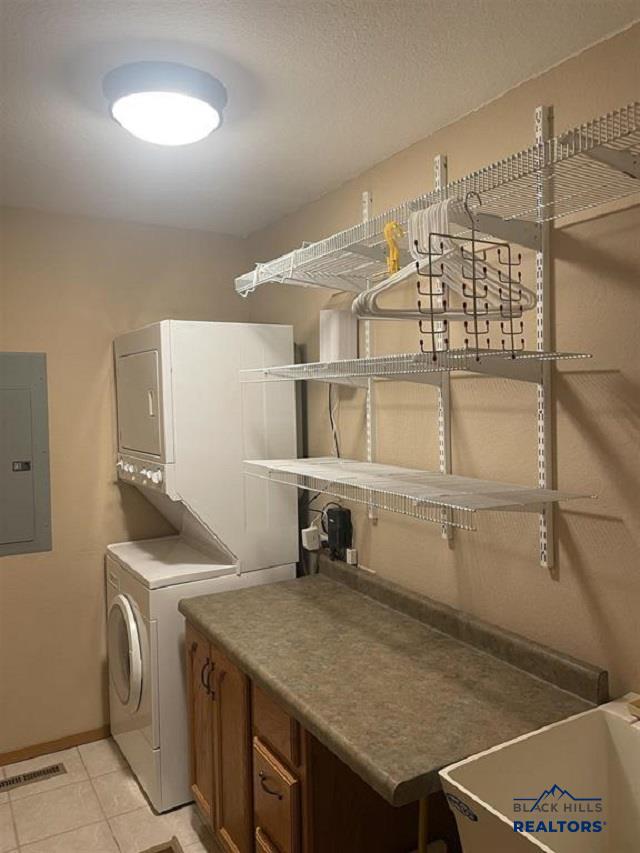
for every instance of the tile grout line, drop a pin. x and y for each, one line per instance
(59, 834)
(14, 824)
(58, 787)
(55, 834)
(11, 815)
(104, 814)
(89, 779)
(41, 781)
(46, 791)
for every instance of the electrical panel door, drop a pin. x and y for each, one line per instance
(139, 409)
(16, 474)
(25, 524)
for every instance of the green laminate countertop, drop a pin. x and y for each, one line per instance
(393, 698)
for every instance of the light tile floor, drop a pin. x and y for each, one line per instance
(96, 807)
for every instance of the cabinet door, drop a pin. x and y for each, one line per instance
(231, 755)
(199, 670)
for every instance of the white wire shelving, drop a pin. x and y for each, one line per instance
(428, 496)
(590, 165)
(414, 367)
(519, 198)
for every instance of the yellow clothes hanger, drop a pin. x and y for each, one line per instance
(392, 233)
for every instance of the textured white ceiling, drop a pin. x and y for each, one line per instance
(318, 92)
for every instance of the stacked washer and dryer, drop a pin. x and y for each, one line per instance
(185, 424)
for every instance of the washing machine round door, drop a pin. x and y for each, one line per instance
(125, 653)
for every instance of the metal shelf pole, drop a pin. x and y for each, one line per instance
(440, 181)
(543, 132)
(367, 204)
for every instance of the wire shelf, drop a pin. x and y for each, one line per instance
(585, 167)
(428, 496)
(409, 365)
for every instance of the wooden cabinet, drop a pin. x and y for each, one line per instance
(346, 814)
(201, 721)
(218, 697)
(265, 784)
(231, 755)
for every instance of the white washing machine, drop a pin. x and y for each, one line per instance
(147, 672)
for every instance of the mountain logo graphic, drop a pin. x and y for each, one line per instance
(553, 794)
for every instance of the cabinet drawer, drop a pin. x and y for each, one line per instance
(276, 800)
(275, 727)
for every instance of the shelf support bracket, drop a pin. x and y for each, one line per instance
(377, 253)
(520, 370)
(627, 162)
(520, 231)
(543, 131)
(440, 181)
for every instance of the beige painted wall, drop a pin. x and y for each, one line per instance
(68, 286)
(589, 606)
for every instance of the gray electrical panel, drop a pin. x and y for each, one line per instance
(25, 512)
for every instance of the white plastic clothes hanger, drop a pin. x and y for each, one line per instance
(452, 266)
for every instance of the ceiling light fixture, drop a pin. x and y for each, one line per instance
(165, 102)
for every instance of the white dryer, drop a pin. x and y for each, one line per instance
(186, 424)
(147, 678)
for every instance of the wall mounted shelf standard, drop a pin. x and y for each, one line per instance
(524, 366)
(425, 495)
(580, 169)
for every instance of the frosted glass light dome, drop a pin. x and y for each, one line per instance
(164, 102)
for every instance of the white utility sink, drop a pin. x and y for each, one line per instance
(573, 787)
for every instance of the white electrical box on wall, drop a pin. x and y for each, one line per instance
(338, 334)
(185, 425)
